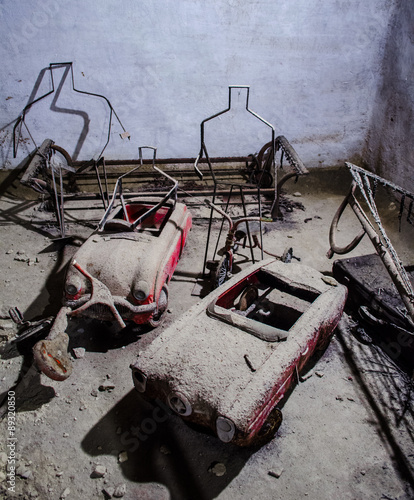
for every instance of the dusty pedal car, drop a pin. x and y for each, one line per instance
(121, 273)
(230, 359)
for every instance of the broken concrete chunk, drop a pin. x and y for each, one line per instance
(120, 491)
(98, 471)
(306, 376)
(65, 493)
(108, 491)
(122, 457)
(276, 473)
(319, 374)
(23, 472)
(217, 468)
(79, 352)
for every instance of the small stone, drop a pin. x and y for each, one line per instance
(106, 386)
(65, 493)
(79, 352)
(276, 473)
(94, 393)
(217, 468)
(122, 457)
(108, 491)
(9, 252)
(120, 491)
(23, 472)
(59, 474)
(306, 376)
(363, 473)
(329, 280)
(20, 259)
(350, 399)
(319, 374)
(20, 252)
(339, 398)
(65, 435)
(297, 194)
(98, 471)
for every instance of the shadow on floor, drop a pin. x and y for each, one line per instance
(162, 448)
(388, 392)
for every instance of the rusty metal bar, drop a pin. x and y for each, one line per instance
(383, 246)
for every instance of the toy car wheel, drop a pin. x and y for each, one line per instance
(222, 271)
(162, 305)
(261, 178)
(269, 428)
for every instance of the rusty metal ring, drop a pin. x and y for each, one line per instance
(334, 248)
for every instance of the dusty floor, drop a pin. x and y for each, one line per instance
(347, 432)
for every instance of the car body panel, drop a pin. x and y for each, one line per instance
(120, 258)
(223, 370)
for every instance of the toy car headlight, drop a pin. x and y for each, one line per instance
(73, 285)
(225, 429)
(140, 380)
(180, 404)
(141, 290)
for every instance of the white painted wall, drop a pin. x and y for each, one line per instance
(313, 67)
(389, 150)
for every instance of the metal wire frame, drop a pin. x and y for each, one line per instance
(203, 151)
(381, 241)
(21, 119)
(118, 191)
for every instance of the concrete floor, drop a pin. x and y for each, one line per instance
(346, 434)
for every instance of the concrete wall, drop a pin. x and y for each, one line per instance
(389, 149)
(166, 65)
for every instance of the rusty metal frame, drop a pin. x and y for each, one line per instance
(118, 192)
(203, 152)
(382, 244)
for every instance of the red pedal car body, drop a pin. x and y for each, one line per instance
(228, 361)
